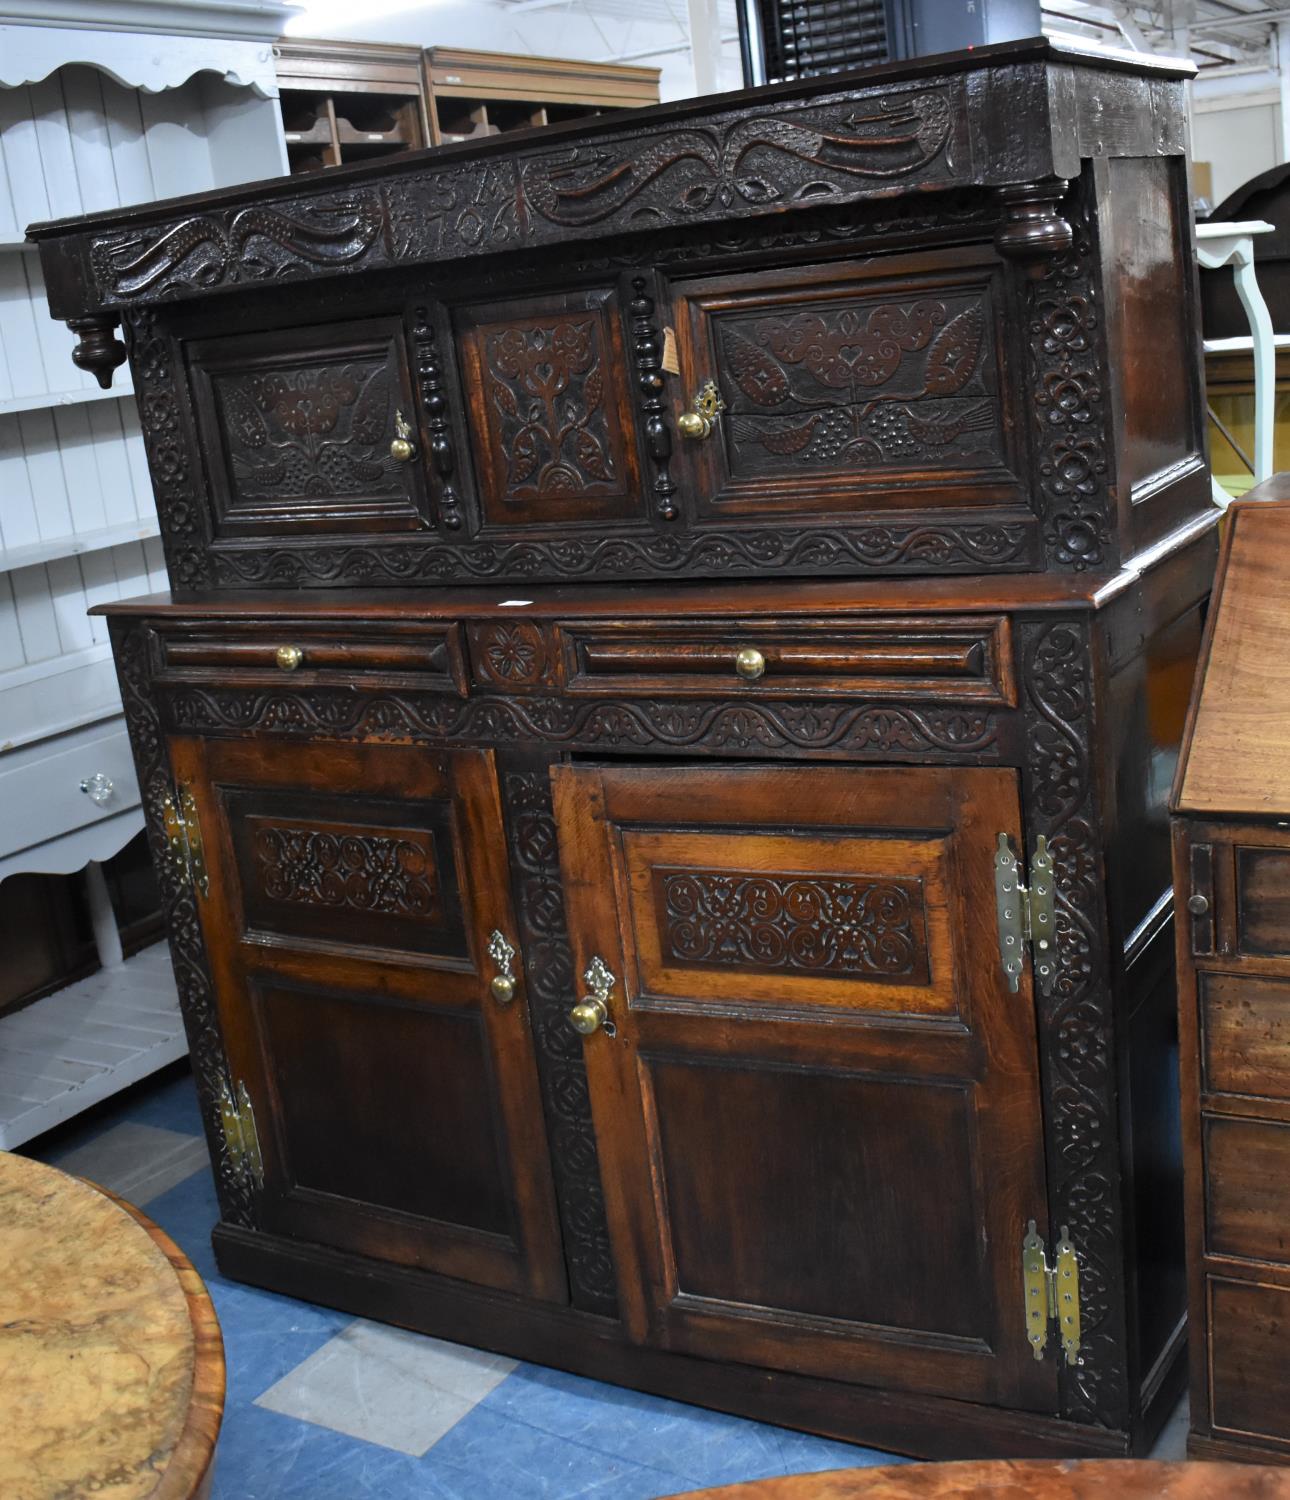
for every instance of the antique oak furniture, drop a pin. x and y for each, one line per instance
(658, 744)
(1232, 872)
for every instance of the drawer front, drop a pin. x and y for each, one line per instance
(1245, 1034)
(966, 659)
(1263, 901)
(41, 793)
(1247, 1172)
(423, 656)
(1247, 1347)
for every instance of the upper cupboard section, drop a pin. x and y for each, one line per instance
(930, 409)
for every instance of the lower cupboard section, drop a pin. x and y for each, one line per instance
(921, 1426)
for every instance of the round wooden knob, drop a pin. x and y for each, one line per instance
(1198, 905)
(750, 663)
(503, 988)
(289, 657)
(588, 1016)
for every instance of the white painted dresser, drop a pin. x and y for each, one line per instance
(101, 104)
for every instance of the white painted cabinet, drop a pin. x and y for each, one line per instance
(101, 105)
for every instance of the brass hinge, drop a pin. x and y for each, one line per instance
(1027, 915)
(240, 1134)
(184, 838)
(1051, 1293)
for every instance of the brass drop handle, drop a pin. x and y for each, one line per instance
(750, 663)
(592, 1011)
(403, 449)
(502, 983)
(289, 657)
(706, 408)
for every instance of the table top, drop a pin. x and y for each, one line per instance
(111, 1362)
(1029, 1479)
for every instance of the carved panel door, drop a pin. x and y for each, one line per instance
(850, 387)
(818, 1110)
(353, 890)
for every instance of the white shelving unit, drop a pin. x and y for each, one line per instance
(101, 106)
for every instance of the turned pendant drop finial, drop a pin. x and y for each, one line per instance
(98, 349)
(1032, 229)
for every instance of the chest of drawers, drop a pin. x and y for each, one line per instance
(657, 745)
(1232, 871)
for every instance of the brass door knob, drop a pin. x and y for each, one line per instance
(750, 663)
(592, 1011)
(706, 407)
(403, 448)
(289, 657)
(502, 984)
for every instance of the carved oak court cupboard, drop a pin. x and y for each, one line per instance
(1232, 871)
(658, 742)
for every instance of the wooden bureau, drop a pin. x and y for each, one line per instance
(1232, 867)
(658, 744)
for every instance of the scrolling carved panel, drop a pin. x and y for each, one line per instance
(815, 923)
(359, 870)
(552, 422)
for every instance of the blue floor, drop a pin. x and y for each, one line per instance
(329, 1407)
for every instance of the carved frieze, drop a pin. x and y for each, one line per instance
(356, 869)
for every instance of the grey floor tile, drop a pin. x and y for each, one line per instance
(140, 1162)
(387, 1386)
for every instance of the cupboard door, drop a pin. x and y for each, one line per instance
(818, 1110)
(353, 890)
(851, 388)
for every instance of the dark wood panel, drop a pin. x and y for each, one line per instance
(749, 1155)
(1247, 1168)
(849, 386)
(383, 1107)
(1245, 1034)
(296, 427)
(1263, 900)
(550, 411)
(1248, 1357)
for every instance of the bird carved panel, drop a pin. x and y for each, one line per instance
(854, 382)
(298, 426)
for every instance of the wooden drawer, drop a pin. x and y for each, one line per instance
(1247, 1175)
(417, 655)
(1245, 1034)
(959, 658)
(1248, 1357)
(40, 786)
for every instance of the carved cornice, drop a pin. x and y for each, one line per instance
(1076, 1020)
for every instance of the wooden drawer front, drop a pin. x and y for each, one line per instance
(426, 656)
(1245, 1034)
(874, 384)
(296, 426)
(1263, 901)
(41, 796)
(1247, 1349)
(1247, 1171)
(892, 658)
(550, 411)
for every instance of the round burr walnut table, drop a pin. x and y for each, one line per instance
(111, 1361)
(1011, 1479)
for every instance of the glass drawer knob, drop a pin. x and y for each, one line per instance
(98, 788)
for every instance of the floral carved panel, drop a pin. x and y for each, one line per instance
(554, 433)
